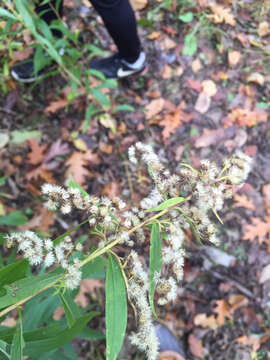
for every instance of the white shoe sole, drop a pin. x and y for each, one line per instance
(28, 80)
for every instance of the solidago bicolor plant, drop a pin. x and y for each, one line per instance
(177, 202)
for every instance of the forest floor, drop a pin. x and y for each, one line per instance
(189, 108)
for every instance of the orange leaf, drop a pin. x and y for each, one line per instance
(76, 165)
(173, 121)
(154, 107)
(36, 154)
(266, 194)
(258, 229)
(206, 321)
(243, 201)
(222, 14)
(234, 58)
(56, 105)
(222, 310)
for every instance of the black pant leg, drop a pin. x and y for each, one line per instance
(119, 19)
(51, 11)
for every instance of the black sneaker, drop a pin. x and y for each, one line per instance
(114, 67)
(24, 71)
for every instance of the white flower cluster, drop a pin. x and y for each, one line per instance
(238, 168)
(41, 251)
(145, 338)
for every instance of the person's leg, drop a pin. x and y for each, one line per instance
(119, 19)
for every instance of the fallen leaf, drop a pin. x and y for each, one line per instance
(258, 229)
(196, 65)
(57, 149)
(41, 222)
(222, 14)
(206, 321)
(246, 117)
(167, 44)
(266, 194)
(203, 103)
(154, 107)
(36, 154)
(265, 274)
(256, 78)
(108, 122)
(234, 58)
(223, 310)
(243, 201)
(236, 301)
(169, 355)
(250, 340)
(56, 105)
(4, 138)
(87, 286)
(76, 165)
(263, 29)
(210, 137)
(209, 87)
(194, 84)
(167, 72)
(154, 35)
(173, 121)
(138, 4)
(195, 346)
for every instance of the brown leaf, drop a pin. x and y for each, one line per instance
(87, 286)
(173, 121)
(195, 346)
(246, 117)
(222, 310)
(203, 103)
(250, 340)
(36, 154)
(266, 194)
(256, 78)
(138, 4)
(56, 105)
(167, 44)
(210, 137)
(154, 35)
(209, 87)
(196, 65)
(167, 72)
(194, 84)
(265, 274)
(154, 107)
(57, 149)
(206, 321)
(263, 29)
(111, 190)
(42, 221)
(236, 301)
(243, 201)
(258, 229)
(169, 355)
(76, 165)
(222, 14)
(234, 58)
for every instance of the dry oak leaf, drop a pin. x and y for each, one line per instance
(154, 35)
(42, 222)
(195, 346)
(246, 117)
(258, 229)
(222, 14)
(209, 87)
(206, 321)
(154, 107)
(222, 310)
(76, 165)
(36, 154)
(56, 105)
(174, 120)
(256, 78)
(243, 201)
(234, 58)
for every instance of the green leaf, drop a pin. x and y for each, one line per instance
(102, 98)
(15, 218)
(17, 345)
(166, 204)
(34, 348)
(94, 269)
(19, 137)
(187, 17)
(74, 185)
(155, 262)
(116, 309)
(72, 310)
(3, 350)
(124, 107)
(7, 14)
(13, 272)
(190, 45)
(3, 179)
(27, 287)
(91, 334)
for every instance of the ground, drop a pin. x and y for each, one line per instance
(189, 106)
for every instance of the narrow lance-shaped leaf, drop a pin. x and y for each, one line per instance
(72, 310)
(116, 309)
(17, 343)
(155, 262)
(166, 204)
